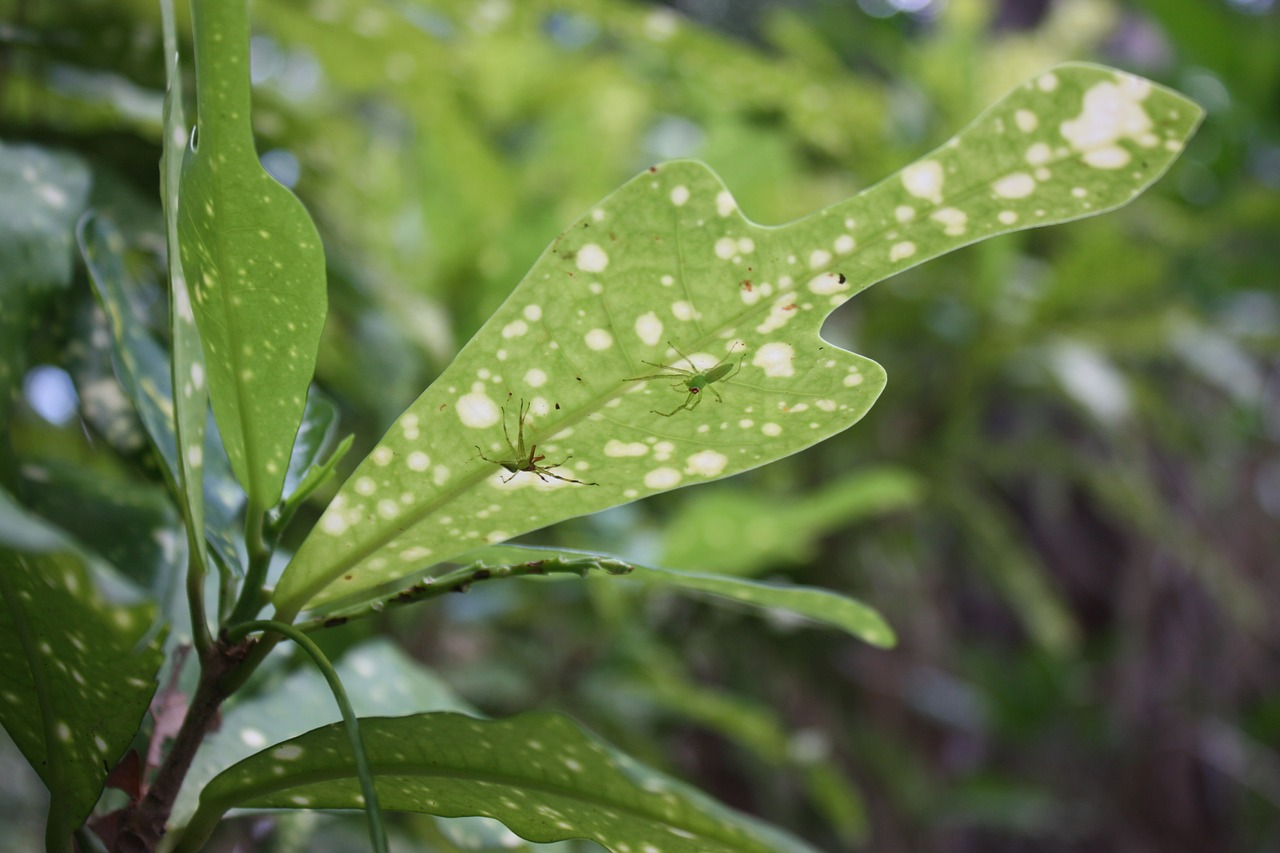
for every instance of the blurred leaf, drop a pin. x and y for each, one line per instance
(44, 193)
(1014, 569)
(759, 729)
(141, 364)
(132, 525)
(142, 367)
(379, 678)
(540, 774)
(643, 269)
(256, 263)
(76, 683)
(742, 532)
(316, 434)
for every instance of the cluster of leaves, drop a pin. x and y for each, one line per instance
(430, 208)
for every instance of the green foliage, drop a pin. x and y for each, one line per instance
(256, 262)
(540, 774)
(77, 674)
(1049, 518)
(803, 603)
(44, 192)
(668, 264)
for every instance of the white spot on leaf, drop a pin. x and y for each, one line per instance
(707, 463)
(924, 180)
(775, 359)
(649, 328)
(617, 448)
(902, 251)
(662, 478)
(1017, 185)
(599, 339)
(591, 258)
(477, 411)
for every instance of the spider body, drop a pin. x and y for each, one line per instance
(694, 381)
(526, 459)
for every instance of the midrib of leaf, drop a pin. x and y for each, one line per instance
(245, 794)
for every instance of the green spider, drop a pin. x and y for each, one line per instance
(694, 381)
(526, 460)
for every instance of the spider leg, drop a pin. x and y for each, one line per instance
(693, 366)
(734, 372)
(681, 407)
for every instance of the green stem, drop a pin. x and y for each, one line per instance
(252, 594)
(377, 832)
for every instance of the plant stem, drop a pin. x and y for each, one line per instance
(377, 832)
(143, 825)
(251, 594)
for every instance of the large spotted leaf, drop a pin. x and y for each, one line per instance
(540, 774)
(76, 670)
(255, 264)
(668, 272)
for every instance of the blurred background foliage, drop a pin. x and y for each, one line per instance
(1066, 501)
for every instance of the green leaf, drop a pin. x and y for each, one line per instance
(540, 774)
(44, 193)
(379, 678)
(187, 368)
(255, 261)
(741, 532)
(131, 525)
(663, 680)
(819, 605)
(141, 365)
(316, 433)
(74, 679)
(143, 369)
(668, 266)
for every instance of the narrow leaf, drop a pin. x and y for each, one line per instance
(255, 260)
(540, 774)
(143, 370)
(141, 365)
(74, 683)
(191, 403)
(819, 605)
(663, 340)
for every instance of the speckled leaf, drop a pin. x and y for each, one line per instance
(140, 364)
(818, 605)
(73, 682)
(187, 370)
(255, 261)
(668, 266)
(142, 367)
(379, 677)
(540, 774)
